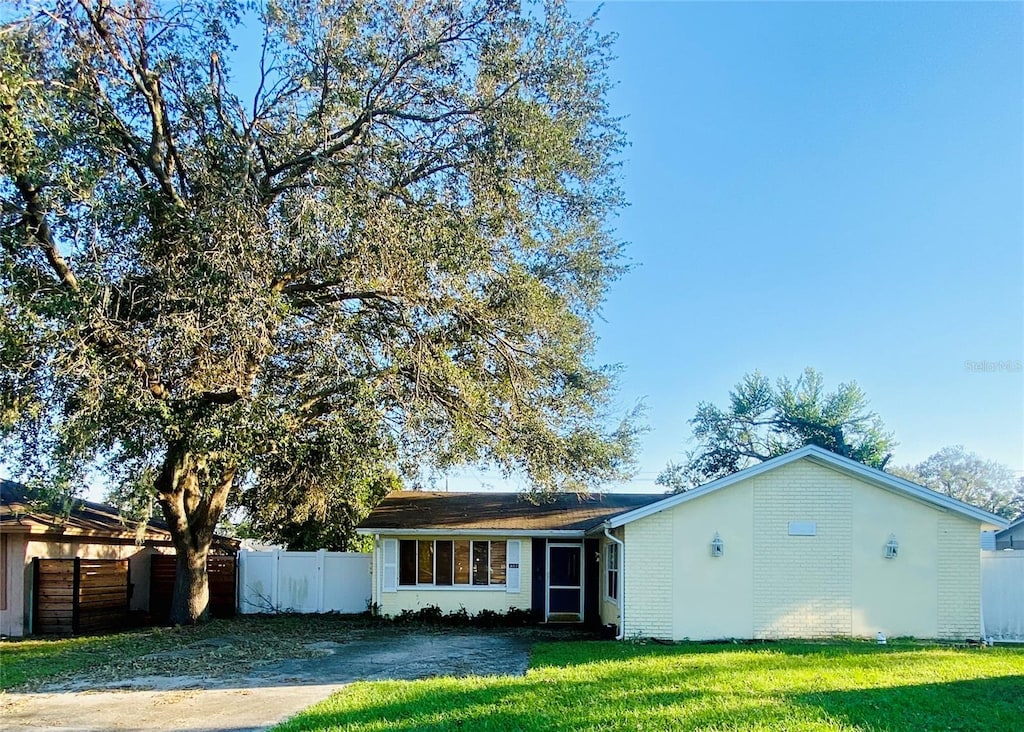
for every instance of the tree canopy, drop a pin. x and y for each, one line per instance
(365, 242)
(968, 477)
(764, 420)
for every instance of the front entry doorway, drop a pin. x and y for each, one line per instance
(565, 582)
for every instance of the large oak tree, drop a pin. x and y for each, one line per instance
(968, 477)
(368, 241)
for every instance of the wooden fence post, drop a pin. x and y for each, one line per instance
(76, 584)
(35, 595)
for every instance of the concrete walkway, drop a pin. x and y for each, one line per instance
(260, 699)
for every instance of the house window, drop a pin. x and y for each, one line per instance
(407, 562)
(497, 562)
(445, 563)
(425, 566)
(444, 572)
(481, 575)
(612, 571)
(462, 562)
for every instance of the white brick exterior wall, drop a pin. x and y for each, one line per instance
(769, 584)
(959, 578)
(649, 577)
(802, 583)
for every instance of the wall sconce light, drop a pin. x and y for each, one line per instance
(717, 546)
(892, 547)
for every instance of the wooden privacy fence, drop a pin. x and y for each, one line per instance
(220, 570)
(79, 595)
(303, 582)
(1002, 595)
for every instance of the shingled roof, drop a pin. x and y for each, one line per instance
(21, 511)
(422, 511)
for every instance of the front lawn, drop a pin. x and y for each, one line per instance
(778, 686)
(219, 646)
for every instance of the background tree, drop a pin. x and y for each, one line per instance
(763, 421)
(967, 477)
(385, 259)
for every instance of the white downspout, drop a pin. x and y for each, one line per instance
(378, 572)
(622, 583)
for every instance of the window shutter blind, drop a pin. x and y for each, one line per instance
(390, 582)
(512, 566)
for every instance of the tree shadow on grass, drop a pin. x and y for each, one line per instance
(971, 704)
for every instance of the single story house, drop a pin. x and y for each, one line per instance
(1012, 537)
(808, 544)
(88, 531)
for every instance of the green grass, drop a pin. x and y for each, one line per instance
(781, 686)
(23, 661)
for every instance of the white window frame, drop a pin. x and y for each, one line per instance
(454, 586)
(611, 565)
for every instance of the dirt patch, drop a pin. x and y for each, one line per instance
(254, 696)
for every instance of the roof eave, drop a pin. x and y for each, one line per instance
(826, 459)
(434, 531)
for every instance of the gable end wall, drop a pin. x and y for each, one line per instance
(769, 584)
(802, 584)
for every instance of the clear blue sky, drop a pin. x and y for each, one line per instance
(821, 184)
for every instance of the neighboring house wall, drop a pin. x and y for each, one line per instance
(21, 549)
(453, 598)
(771, 584)
(1011, 538)
(13, 607)
(138, 560)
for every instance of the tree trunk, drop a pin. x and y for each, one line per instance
(192, 493)
(191, 601)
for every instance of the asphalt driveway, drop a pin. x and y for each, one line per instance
(265, 695)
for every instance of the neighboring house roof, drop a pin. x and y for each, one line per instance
(826, 459)
(507, 513)
(1013, 525)
(20, 512)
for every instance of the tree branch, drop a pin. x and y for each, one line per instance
(39, 229)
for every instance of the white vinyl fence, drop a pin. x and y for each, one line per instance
(303, 582)
(1002, 595)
